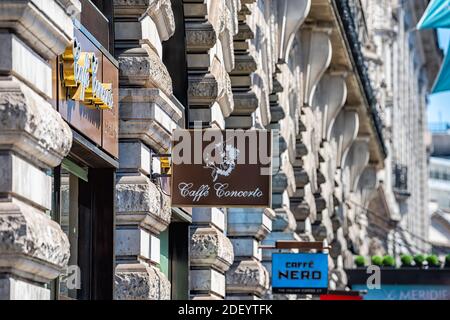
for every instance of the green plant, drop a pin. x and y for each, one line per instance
(407, 260)
(360, 261)
(389, 261)
(447, 261)
(419, 259)
(377, 261)
(433, 261)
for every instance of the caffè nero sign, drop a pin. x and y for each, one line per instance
(80, 78)
(221, 168)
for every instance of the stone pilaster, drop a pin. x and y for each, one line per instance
(211, 254)
(247, 277)
(245, 99)
(33, 140)
(210, 27)
(148, 113)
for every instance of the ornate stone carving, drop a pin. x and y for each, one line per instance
(247, 276)
(203, 89)
(200, 36)
(140, 282)
(139, 201)
(31, 244)
(210, 247)
(143, 67)
(30, 126)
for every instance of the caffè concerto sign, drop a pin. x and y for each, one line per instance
(80, 78)
(214, 168)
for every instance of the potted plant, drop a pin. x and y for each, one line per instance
(407, 261)
(420, 260)
(389, 262)
(433, 261)
(447, 261)
(377, 261)
(360, 261)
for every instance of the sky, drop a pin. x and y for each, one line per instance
(439, 104)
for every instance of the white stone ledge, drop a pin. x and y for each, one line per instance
(44, 24)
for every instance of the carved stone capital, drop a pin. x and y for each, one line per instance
(284, 221)
(131, 8)
(200, 37)
(277, 113)
(30, 126)
(203, 89)
(211, 248)
(279, 182)
(32, 246)
(245, 103)
(142, 67)
(247, 277)
(245, 64)
(301, 177)
(140, 282)
(140, 202)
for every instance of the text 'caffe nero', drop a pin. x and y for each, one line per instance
(215, 168)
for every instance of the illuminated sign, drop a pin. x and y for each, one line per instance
(80, 78)
(299, 273)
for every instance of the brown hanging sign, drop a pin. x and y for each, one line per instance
(215, 168)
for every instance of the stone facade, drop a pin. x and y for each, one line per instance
(311, 71)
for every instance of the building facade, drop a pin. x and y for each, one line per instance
(439, 188)
(85, 210)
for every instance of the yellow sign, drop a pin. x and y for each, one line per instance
(80, 78)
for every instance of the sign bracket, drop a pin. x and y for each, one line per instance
(299, 245)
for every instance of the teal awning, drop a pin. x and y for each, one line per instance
(437, 15)
(443, 80)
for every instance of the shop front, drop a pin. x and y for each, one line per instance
(85, 86)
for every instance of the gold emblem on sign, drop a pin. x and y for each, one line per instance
(80, 78)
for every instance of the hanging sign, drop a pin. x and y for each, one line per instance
(299, 273)
(214, 168)
(80, 71)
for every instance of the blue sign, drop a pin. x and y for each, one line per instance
(406, 292)
(299, 273)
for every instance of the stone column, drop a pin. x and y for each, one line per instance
(247, 277)
(33, 140)
(211, 254)
(210, 27)
(148, 113)
(245, 100)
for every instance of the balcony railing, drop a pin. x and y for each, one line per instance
(353, 20)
